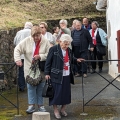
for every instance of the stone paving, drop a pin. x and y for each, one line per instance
(105, 106)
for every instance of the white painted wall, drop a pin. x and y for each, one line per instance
(113, 15)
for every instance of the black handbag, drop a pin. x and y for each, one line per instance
(101, 49)
(41, 65)
(92, 55)
(48, 91)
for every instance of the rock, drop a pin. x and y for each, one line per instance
(41, 116)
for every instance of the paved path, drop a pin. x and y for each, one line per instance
(105, 106)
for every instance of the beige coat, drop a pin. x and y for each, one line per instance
(26, 47)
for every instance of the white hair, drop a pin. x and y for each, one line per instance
(28, 25)
(78, 22)
(74, 21)
(63, 21)
(65, 37)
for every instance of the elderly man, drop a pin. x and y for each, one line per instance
(86, 24)
(73, 25)
(81, 41)
(19, 37)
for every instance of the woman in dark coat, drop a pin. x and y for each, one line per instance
(58, 69)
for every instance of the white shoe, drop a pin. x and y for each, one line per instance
(42, 109)
(30, 109)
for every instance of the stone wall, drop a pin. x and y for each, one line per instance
(100, 20)
(6, 54)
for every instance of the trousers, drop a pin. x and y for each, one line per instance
(21, 78)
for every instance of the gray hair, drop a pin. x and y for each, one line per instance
(28, 25)
(96, 23)
(74, 21)
(63, 21)
(78, 22)
(65, 37)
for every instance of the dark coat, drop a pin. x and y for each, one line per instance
(85, 40)
(55, 63)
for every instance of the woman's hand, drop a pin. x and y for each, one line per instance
(19, 63)
(36, 57)
(51, 45)
(80, 59)
(47, 77)
(91, 49)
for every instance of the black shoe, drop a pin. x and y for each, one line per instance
(93, 71)
(21, 90)
(100, 70)
(88, 70)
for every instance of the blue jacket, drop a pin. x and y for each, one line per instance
(88, 27)
(103, 36)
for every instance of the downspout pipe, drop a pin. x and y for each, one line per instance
(101, 5)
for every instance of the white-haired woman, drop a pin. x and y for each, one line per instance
(63, 28)
(58, 69)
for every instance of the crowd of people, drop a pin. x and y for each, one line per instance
(61, 54)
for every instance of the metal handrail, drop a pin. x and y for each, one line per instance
(109, 83)
(13, 65)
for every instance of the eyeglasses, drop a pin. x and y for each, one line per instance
(42, 27)
(62, 23)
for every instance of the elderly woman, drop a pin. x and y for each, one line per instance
(47, 35)
(58, 69)
(34, 47)
(99, 38)
(63, 25)
(63, 28)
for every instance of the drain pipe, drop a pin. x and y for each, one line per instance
(101, 5)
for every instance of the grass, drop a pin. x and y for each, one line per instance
(14, 13)
(7, 110)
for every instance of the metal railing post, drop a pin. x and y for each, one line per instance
(83, 107)
(16, 106)
(109, 83)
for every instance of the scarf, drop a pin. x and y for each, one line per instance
(94, 37)
(36, 52)
(66, 59)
